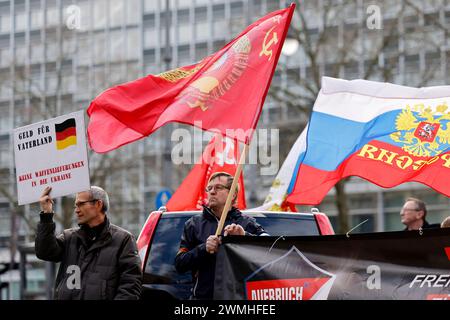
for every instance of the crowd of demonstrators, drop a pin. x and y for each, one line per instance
(105, 256)
(199, 244)
(98, 260)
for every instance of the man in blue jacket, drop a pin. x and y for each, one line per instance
(199, 245)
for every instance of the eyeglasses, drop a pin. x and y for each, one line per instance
(82, 203)
(217, 187)
(407, 209)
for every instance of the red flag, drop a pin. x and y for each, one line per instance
(221, 154)
(225, 91)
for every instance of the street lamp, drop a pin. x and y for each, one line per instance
(290, 47)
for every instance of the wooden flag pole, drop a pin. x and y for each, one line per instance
(227, 206)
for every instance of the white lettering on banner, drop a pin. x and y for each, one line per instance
(431, 281)
(286, 293)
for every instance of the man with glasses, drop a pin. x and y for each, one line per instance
(98, 260)
(199, 244)
(413, 215)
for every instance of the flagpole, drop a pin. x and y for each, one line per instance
(227, 206)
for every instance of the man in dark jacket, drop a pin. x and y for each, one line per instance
(98, 260)
(199, 245)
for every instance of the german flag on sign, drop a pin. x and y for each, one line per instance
(66, 134)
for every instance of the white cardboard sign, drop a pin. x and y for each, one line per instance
(51, 153)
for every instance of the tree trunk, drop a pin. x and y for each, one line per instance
(342, 206)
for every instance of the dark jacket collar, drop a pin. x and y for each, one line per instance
(101, 232)
(233, 214)
(424, 225)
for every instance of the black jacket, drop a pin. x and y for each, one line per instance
(109, 266)
(427, 225)
(192, 255)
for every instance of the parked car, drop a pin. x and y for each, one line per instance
(159, 241)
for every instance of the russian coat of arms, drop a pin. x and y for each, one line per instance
(422, 131)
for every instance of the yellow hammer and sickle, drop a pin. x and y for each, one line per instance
(266, 45)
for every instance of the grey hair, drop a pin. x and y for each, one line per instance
(420, 205)
(98, 193)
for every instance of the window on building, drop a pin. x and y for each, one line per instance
(133, 71)
(133, 11)
(5, 211)
(219, 44)
(273, 5)
(52, 16)
(133, 46)
(37, 19)
(85, 14)
(150, 38)
(184, 55)
(151, 179)
(152, 5)
(201, 51)
(149, 21)
(201, 14)
(5, 87)
(52, 82)
(99, 14)
(351, 70)
(5, 118)
(99, 48)
(84, 50)
(202, 31)
(99, 79)
(116, 75)
(183, 17)
(412, 63)
(37, 52)
(21, 54)
(21, 21)
(5, 55)
(116, 13)
(431, 19)
(117, 52)
(219, 12)
(52, 51)
(5, 23)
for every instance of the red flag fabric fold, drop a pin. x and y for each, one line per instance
(221, 154)
(222, 93)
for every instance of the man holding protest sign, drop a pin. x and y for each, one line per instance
(199, 245)
(99, 261)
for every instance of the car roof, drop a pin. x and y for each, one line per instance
(257, 214)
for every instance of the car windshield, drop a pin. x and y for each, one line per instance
(166, 242)
(289, 226)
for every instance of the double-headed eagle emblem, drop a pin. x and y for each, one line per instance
(422, 131)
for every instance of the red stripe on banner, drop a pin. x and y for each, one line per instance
(66, 133)
(378, 162)
(447, 252)
(284, 289)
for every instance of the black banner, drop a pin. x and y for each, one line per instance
(406, 265)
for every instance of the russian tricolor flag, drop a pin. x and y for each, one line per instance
(385, 133)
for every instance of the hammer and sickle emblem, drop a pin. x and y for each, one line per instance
(266, 45)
